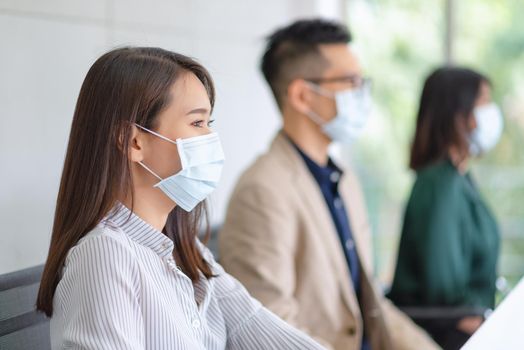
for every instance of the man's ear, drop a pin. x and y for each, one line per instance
(136, 144)
(300, 96)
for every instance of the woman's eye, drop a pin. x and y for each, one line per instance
(200, 123)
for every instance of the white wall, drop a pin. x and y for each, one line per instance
(46, 48)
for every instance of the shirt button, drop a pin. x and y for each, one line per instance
(196, 324)
(375, 312)
(334, 176)
(338, 203)
(166, 245)
(350, 244)
(171, 263)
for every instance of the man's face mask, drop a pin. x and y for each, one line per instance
(490, 125)
(353, 110)
(202, 159)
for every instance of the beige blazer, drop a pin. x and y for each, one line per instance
(279, 240)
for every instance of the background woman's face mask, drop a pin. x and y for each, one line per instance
(202, 160)
(353, 110)
(490, 125)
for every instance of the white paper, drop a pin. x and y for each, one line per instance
(504, 329)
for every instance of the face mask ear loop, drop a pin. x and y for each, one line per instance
(313, 115)
(320, 90)
(150, 171)
(178, 143)
(156, 134)
(315, 118)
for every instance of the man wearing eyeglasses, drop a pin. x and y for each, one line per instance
(296, 232)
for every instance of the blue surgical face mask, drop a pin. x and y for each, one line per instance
(490, 125)
(202, 159)
(353, 110)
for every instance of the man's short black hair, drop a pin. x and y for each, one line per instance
(293, 52)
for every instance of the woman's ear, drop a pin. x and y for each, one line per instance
(465, 124)
(472, 122)
(300, 96)
(136, 143)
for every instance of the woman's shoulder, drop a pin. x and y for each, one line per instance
(438, 185)
(437, 170)
(105, 232)
(440, 176)
(104, 241)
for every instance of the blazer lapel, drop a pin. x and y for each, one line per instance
(350, 191)
(309, 191)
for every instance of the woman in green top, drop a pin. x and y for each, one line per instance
(450, 240)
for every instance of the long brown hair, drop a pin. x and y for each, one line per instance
(447, 101)
(123, 87)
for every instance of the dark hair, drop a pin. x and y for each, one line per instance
(123, 87)
(447, 100)
(293, 51)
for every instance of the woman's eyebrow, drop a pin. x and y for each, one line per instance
(198, 111)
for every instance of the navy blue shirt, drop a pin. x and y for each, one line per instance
(328, 178)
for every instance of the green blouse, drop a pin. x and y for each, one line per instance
(449, 245)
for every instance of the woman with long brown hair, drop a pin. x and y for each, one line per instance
(450, 239)
(125, 268)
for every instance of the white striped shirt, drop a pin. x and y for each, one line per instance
(121, 289)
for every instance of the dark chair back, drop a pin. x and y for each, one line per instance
(21, 326)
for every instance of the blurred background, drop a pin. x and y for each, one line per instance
(400, 42)
(46, 48)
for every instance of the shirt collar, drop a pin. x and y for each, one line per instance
(330, 173)
(140, 231)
